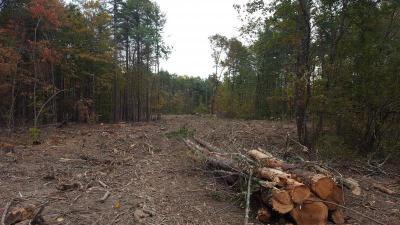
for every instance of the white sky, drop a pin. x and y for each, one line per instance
(189, 24)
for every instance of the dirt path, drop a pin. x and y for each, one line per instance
(152, 179)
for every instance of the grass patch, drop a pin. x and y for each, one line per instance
(181, 133)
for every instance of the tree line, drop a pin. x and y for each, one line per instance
(333, 66)
(86, 61)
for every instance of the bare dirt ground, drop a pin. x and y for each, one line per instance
(153, 179)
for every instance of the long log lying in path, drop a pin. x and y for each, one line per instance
(213, 159)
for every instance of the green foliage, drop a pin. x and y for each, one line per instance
(182, 94)
(354, 99)
(332, 147)
(47, 46)
(201, 109)
(34, 133)
(181, 133)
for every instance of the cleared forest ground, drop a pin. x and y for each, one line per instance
(152, 177)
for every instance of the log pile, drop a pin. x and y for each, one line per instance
(284, 189)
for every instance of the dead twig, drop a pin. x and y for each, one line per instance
(288, 140)
(76, 199)
(3, 218)
(103, 184)
(246, 218)
(105, 197)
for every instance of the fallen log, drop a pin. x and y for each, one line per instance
(320, 184)
(336, 197)
(297, 191)
(278, 199)
(338, 216)
(208, 145)
(349, 182)
(213, 160)
(285, 188)
(311, 212)
(281, 201)
(268, 160)
(299, 183)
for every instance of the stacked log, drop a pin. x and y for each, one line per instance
(314, 196)
(308, 197)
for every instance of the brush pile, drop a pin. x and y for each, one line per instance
(306, 193)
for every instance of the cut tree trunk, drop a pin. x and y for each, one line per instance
(297, 191)
(321, 185)
(336, 197)
(285, 188)
(338, 216)
(311, 212)
(278, 199)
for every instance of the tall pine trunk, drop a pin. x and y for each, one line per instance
(302, 84)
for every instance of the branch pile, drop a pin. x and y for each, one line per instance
(308, 197)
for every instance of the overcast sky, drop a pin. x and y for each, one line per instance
(189, 24)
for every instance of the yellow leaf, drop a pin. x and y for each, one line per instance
(117, 205)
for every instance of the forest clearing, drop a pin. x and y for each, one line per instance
(199, 112)
(154, 178)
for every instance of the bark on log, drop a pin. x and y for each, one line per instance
(274, 175)
(207, 145)
(213, 159)
(320, 184)
(268, 160)
(287, 188)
